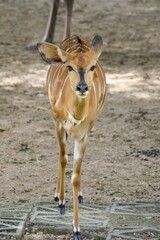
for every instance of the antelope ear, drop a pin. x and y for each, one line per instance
(96, 44)
(51, 53)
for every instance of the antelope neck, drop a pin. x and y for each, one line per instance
(79, 109)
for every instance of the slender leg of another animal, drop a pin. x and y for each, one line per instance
(50, 29)
(79, 150)
(67, 25)
(60, 190)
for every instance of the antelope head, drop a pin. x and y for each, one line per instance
(80, 65)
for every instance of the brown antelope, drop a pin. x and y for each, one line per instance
(76, 87)
(51, 24)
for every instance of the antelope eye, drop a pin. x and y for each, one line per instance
(92, 68)
(69, 68)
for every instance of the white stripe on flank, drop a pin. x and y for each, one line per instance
(101, 92)
(99, 87)
(57, 69)
(60, 93)
(94, 86)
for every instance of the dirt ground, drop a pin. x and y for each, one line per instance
(122, 161)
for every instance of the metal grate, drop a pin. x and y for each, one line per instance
(13, 219)
(134, 233)
(138, 209)
(90, 217)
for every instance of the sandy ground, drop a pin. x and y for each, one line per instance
(122, 161)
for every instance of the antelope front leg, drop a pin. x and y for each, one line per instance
(79, 150)
(60, 189)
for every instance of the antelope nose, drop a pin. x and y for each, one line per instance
(82, 88)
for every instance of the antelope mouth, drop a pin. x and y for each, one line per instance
(82, 94)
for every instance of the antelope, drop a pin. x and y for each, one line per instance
(51, 24)
(76, 88)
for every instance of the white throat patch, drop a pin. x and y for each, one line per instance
(71, 121)
(75, 121)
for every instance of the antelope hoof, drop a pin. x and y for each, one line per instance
(56, 199)
(77, 236)
(61, 209)
(32, 46)
(80, 199)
